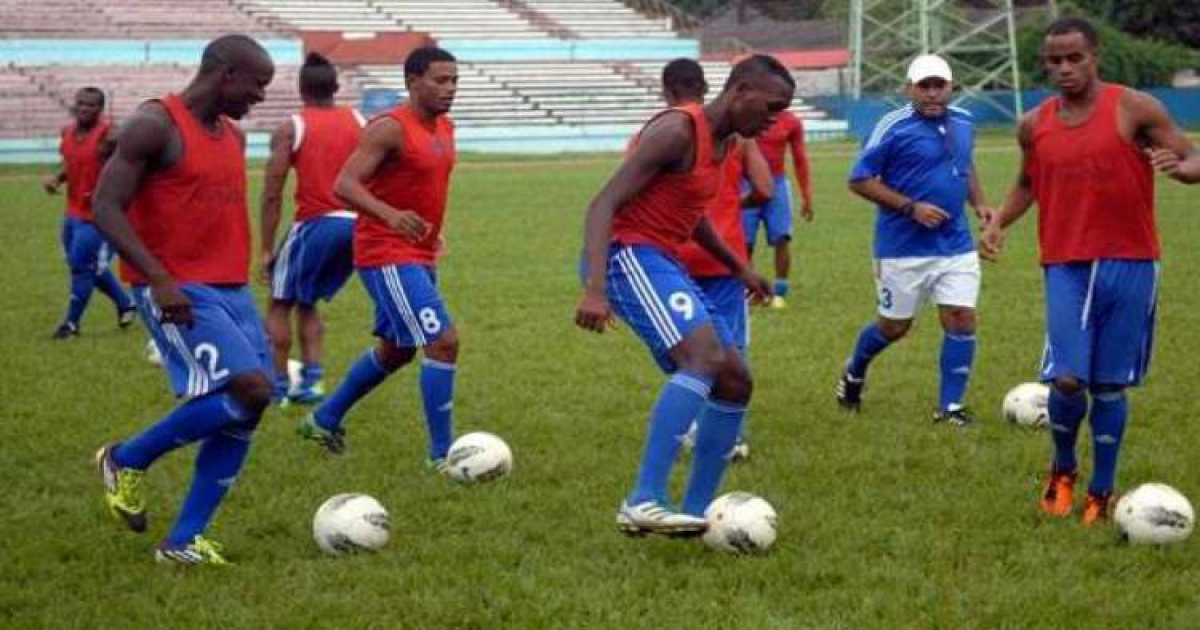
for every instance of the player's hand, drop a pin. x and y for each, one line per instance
(806, 212)
(984, 213)
(410, 224)
(756, 285)
(594, 313)
(266, 267)
(173, 305)
(1164, 161)
(928, 214)
(991, 242)
(50, 184)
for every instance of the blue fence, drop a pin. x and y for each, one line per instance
(116, 52)
(861, 115)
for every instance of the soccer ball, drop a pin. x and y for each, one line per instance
(152, 353)
(478, 457)
(349, 523)
(740, 522)
(1027, 404)
(1154, 513)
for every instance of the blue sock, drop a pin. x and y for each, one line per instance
(718, 428)
(363, 376)
(195, 419)
(958, 353)
(81, 293)
(283, 385)
(437, 394)
(1066, 413)
(1109, 412)
(311, 374)
(108, 284)
(679, 402)
(870, 343)
(781, 287)
(217, 465)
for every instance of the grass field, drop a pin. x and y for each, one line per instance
(887, 521)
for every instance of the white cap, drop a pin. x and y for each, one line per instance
(926, 66)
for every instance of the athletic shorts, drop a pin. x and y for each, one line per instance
(728, 298)
(409, 311)
(227, 338)
(775, 216)
(903, 284)
(315, 259)
(653, 293)
(84, 247)
(1100, 320)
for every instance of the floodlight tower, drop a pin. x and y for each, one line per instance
(980, 45)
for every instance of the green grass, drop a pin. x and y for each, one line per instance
(887, 521)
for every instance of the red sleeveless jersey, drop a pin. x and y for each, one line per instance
(725, 214)
(418, 179)
(1094, 188)
(773, 143)
(666, 212)
(81, 158)
(193, 216)
(324, 139)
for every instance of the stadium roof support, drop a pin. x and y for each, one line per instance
(980, 45)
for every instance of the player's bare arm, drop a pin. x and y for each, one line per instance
(1019, 198)
(1169, 151)
(758, 173)
(142, 145)
(664, 146)
(271, 202)
(873, 189)
(707, 237)
(803, 176)
(382, 139)
(978, 200)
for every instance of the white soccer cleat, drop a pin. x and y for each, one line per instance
(651, 518)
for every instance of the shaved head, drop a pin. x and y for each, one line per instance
(233, 51)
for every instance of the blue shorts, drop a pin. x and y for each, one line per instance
(314, 260)
(226, 339)
(776, 215)
(1100, 321)
(728, 298)
(409, 312)
(84, 246)
(657, 298)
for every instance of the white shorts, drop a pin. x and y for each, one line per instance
(902, 284)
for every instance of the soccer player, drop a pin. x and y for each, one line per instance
(84, 146)
(653, 205)
(917, 167)
(398, 180)
(1088, 161)
(775, 215)
(316, 258)
(684, 84)
(179, 171)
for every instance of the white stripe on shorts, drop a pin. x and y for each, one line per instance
(659, 317)
(391, 277)
(280, 273)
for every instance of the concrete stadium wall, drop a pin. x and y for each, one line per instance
(117, 52)
(573, 50)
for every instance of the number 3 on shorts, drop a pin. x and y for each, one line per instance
(429, 320)
(681, 303)
(885, 298)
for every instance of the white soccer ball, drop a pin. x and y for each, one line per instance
(1154, 513)
(349, 523)
(478, 457)
(152, 353)
(740, 522)
(1027, 404)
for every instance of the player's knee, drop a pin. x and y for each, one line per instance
(733, 383)
(252, 391)
(1068, 385)
(958, 320)
(894, 329)
(700, 356)
(392, 357)
(445, 348)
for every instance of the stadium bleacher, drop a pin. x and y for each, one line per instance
(119, 19)
(600, 18)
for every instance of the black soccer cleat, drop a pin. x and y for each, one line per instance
(849, 392)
